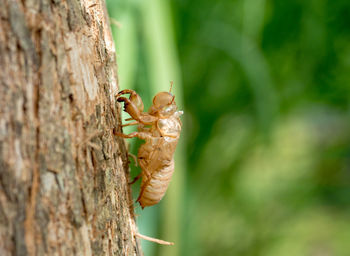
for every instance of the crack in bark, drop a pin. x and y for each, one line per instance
(29, 223)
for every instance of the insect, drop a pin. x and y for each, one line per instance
(160, 127)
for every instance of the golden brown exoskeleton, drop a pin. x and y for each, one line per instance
(160, 127)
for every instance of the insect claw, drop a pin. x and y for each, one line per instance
(135, 179)
(138, 201)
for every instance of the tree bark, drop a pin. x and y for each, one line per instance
(63, 174)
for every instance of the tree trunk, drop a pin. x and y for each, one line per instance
(63, 174)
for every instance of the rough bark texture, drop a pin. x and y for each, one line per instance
(63, 174)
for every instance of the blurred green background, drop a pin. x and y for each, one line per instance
(263, 165)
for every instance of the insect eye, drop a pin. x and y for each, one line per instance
(163, 99)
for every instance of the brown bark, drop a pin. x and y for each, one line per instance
(63, 174)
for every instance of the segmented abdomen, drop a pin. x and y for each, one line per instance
(154, 187)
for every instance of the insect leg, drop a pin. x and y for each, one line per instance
(140, 135)
(167, 134)
(134, 158)
(134, 98)
(132, 123)
(141, 193)
(130, 108)
(136, 113)
(126, 91)
(135, 179)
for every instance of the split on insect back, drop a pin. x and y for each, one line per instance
(160, 127)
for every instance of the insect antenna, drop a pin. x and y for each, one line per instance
(171, 86)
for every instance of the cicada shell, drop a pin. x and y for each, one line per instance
(160, 127)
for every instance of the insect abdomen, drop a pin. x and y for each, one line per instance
(153, 189)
